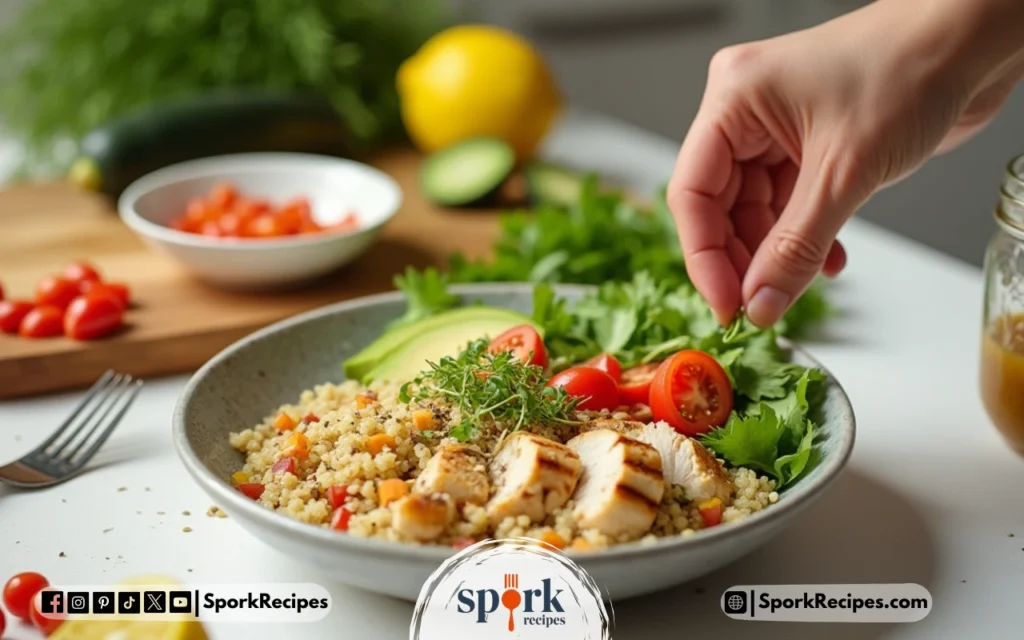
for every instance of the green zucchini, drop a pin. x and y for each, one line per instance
(119, 152)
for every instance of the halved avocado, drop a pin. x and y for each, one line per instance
(550, 183)
(467, 172)
(447, 339)
(469, 319)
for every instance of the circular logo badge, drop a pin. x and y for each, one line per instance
(509, 589)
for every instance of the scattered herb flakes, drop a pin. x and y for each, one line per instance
(187, 529)
(963, 582)
(61, 555)
(146, 489)
(63, 500)
(139, 512)
(160, 513)
(1010, 536)
(189, 570)
(120, 489)
(108, 530)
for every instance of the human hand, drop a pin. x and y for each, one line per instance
(795, 133)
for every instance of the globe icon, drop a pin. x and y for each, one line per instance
(735, 602)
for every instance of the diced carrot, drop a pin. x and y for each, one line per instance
(390, 490)
(240, 477)
(376, 443)
(310, 417)
(579, 544)
(423, 419)
(297, 446)
(364, 400)
(284, 422)
(552, 538)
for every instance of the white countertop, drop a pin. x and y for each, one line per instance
(931, 494)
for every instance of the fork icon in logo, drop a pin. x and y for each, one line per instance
(511, 598)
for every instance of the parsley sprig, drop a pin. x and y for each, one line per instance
(485, 386)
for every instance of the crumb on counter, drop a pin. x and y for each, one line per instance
(187, 529)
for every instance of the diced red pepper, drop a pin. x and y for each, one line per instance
(337, 495)
(310, 418)
(710, 511)
(252, 489)
(461, 543)
(284, 465)
(340, 518)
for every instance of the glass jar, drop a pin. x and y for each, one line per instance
(1002, 359)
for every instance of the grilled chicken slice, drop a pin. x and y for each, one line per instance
(532, 475)
(622, 483)
(458, 471)
(684, 461)
(421, 516)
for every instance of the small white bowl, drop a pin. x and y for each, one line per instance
(333, 186)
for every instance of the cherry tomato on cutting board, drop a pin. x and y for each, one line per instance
(635, 383)
(691, 392)
(117, 289)
(44, 321)
(3, 622)
(19, 591)
(46, 625)
(524, 342)
(80, 271)
(56, 291)
(12, 312)
(606, 362)
(93, 316)
(596, 388)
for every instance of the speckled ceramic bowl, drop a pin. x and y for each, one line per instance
(271, 367)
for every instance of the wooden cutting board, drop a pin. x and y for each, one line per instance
(179, 322)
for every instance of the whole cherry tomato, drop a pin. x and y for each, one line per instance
(596, 388)
(117, 289)
(11, 314)
(19, 591)
(93, 316)
(44, 321)
(80, 271)
(56, 291)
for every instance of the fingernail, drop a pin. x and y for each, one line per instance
(767, 305)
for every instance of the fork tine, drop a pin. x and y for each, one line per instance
(102, 399)
(88, 429)
(93, 390)
(132, 393)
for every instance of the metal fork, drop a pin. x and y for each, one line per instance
(65, 453)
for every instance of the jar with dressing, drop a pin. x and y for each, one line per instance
(1002, 352)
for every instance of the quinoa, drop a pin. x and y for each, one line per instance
(339, 421)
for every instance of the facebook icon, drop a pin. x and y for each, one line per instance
(51, 602)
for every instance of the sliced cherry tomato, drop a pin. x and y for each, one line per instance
(116, 289)
(20, 590)
(42, 322)
(262, 226)
(47, 625)
(691, 392)
(337, 495)
(340, 518)
(11, 314)
(56, 291)
(222, 196)
(635, 384)
(524, 342)
(606, 362)
(291, 217)
(596, 387)
(710, 511)
(93, 316)
(251, 489)
(230, 225)
(284, 465)
(80, 271)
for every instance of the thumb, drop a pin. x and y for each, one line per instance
(800, 243)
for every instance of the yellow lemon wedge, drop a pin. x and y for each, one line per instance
(477, 81)
(120, 629)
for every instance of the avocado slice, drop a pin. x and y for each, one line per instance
(550, 183)
(467, 172)
(474, 321)
(447, 339)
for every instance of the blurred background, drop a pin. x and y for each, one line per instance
(644, 61)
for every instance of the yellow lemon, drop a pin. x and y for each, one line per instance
(471, 81)
(120, 629)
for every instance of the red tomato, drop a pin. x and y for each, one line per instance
(606, 362)
(116, 289)
(340, 518)
(691, 392)
(461, 543)
(524, 342)
(3, 623)
(710, 511)
(262, 226)
(93, 316)
(1, 298)
(222, 196)
(46, 625)
(80, 271)
(310, 418)
(42, 322)
(284, 465)
(596, 387)
(635, 383)
(251, 489)
(337, 495)
(11, 314)
(230, 224)
(19, 591)
(56, 291)
(291, 217)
